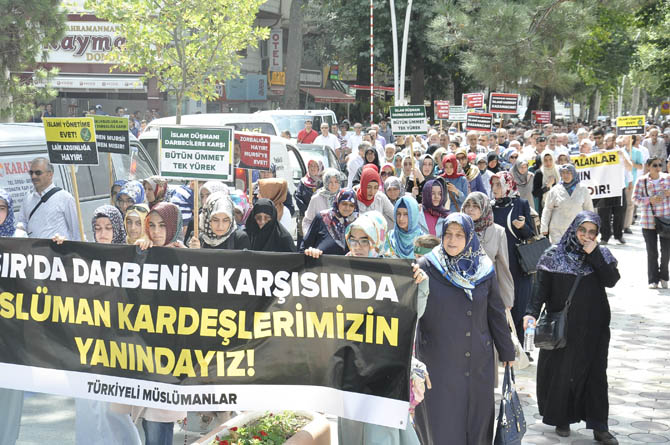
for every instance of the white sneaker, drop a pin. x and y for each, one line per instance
(664, 284)
(654, 285)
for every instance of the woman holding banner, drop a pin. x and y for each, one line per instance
(265, 231)
(463, 303)
(652, 196)
(11, 401)
(326, 233)
(365, 237)
(218, 229)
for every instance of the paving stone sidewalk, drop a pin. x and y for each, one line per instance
(639, 360)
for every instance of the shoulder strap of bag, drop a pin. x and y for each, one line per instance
(646, 190)
(44, 199)
(509, 224)
(568, 302)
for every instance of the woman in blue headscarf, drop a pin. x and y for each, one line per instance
(400, 240)
(464, 318)
(572, 381)
(116, 187)
(131, 193)
(327, 230)
(564, 203)
(11, 401)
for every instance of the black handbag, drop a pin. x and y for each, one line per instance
(662, 225)
(528, 252)
(551, 330)
(511, 424)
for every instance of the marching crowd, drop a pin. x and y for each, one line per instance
(458, 205)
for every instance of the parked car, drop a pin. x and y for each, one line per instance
(21, 143)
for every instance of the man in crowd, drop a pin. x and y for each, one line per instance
(472, 146)
(356, 161)
(385, 131)
(612, 210)
(307, 135)
(656, 147)
(47, 210)
(501, 134)
(327, 138)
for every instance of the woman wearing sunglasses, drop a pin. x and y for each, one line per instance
(652, 196)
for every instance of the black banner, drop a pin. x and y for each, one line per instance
(479, 121)
(503, 103)
(111, 134)
(208, 329)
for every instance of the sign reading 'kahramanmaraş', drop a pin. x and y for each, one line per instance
(479, 122)
(71, 140)
(410, 119)
(111, 134)
(504, 103)
(196, 153)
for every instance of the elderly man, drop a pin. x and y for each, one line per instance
(656, 146)
(48, 210)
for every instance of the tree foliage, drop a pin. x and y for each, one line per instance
(187, 45)
(653, 52)
(28, 26)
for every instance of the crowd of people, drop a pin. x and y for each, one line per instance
(456, 205)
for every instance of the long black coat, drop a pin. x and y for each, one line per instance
(455, 340)
(572, 381)
(522, 282)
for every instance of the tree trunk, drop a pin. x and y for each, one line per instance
(635, 101)
(180, 99)
(533, 104)
(645, 103)
(417, 88)
(5, 100)
(594, 107)
(294, 56)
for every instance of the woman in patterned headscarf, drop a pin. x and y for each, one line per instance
(463, 302)
(155, 189)
(309, 184)
(130, 194)
(108, 225)
(513, 213)
(218, 228)
(572, 381)
(324, 198)
(393, 189)
(400, 240)
(326, 233)
(116, 186)
(242, 206)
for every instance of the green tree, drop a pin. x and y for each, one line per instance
(652, 21)
(28, 27)
(187, 45)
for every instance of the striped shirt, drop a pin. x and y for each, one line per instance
(57, 216)
(645, 188)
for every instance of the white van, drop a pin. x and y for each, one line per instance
(239, 121)
(21, 143)
(294, 120)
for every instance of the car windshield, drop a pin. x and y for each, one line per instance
(318, 153)
(293, 123)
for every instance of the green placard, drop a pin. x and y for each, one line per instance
(410, 119)
(201, 153)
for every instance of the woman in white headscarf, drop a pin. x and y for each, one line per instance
(218, 228)
(324, 197)
(545, 178)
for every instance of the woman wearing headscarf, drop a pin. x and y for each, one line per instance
(97, 421)
(370, 156)
(472, 173)
(155, 189)
(493, 240)
(386, 171)
(572, 381)
(427, 168)
(11, 401)
(433, 211)
(509, 157)
(524, 181)
(135, 221)
(484, 172)
(130, 194)
(370, 198)
(324, 198)
(276, 190)
(397, 164)
(206, 189)
(163, 227)
(411, 177)
(400, 240)
(564, 203)
(217, 226)
(265, 232)
(545, 178)
(242, 207)
(393, 189)
(326, 233)
(463, 302)
(116, 186)
(365, 238)
(492, 162)
(438, 156)
(309, 184)
(457, 185)
(513, 213)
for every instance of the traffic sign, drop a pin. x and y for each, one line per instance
(665, 107)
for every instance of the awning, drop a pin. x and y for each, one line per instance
(324, 95)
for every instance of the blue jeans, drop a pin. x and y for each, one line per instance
(158, 433)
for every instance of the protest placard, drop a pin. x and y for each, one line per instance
(540, 117)
(441, 109)
(410, 119)
(457, 114)
(111, 134)
(183, 329)
(252, 151)
(473, 100)
(71, 140)
(479, 121)
(627, 125)
(196, 153)
(503, 103)
(601, 173)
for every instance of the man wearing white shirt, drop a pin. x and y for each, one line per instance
(327, 138)
(56, 215)
(356, 161)
(355, 138)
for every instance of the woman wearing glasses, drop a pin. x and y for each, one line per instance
(652, 196)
